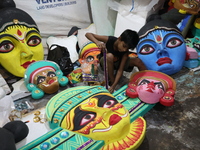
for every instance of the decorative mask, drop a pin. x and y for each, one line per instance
(88, 58)
(20, 40)
(75, 76)
(93, 112)
(161, 47)
(44, 77)
(152, 87)
(187, 6)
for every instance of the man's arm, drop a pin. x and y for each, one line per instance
(119, 73)
(99, 40)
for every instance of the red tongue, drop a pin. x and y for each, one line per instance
(114, 119)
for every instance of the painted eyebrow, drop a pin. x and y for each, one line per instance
(4, 35)
(146, 41)
(32, 31)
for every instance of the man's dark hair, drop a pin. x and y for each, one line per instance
(130, 37)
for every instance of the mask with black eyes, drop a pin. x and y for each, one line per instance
(152, 87)
(161, 47)
(89, 61)
(99, 114)
(95, 113)
(44, 77)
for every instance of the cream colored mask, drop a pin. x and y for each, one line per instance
(20, 41)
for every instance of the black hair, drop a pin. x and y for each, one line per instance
(130, 37)
(9, 13)
(155, 22)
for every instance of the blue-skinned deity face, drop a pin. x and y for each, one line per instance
(162, 49)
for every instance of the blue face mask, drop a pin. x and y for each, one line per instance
(162, 50)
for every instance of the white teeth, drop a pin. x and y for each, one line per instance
(102, 130)
(125, 115)
(110, 127)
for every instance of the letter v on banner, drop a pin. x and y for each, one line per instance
(38, 1)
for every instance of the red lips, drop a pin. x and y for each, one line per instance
(114, 119)
(165, 60)
(51, 81)
(26, 64)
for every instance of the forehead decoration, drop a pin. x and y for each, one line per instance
(167, 99)
(59, 105)
(36, 67)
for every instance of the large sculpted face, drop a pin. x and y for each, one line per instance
(99, 113)
(162, 50)
(148, 88)
(19, 47)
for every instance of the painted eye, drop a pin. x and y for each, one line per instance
(174, 43)
(143, 82)
(90, 58)
(51, 74)
(40, 79)
(147, 49)
(160, 86)
(108, 104)
(34, 41)
(6, 46)
(87, 118)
